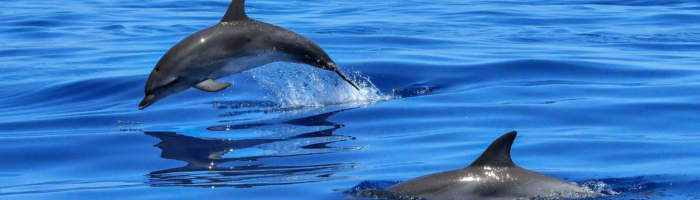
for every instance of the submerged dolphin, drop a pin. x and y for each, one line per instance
(236, 44)
(492, 176)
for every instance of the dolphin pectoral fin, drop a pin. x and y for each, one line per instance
(346, 79)
(211, 85)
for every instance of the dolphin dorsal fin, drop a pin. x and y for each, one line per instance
(236, 11)
(498, 153)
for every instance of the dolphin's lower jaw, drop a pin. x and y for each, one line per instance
(147, 101)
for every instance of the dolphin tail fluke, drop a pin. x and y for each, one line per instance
(346, 78)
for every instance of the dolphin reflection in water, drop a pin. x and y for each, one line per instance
(215, 162)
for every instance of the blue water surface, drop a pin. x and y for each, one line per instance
(604, 93)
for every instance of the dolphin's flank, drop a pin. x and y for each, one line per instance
(236, 44)
(492, 176)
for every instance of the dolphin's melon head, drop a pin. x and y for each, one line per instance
(162, 82)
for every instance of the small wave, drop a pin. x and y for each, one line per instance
(64, 186)
(247, 176)
(294, 85)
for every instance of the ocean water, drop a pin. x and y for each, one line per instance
(604, 93)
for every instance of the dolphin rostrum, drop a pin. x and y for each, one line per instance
(234, 45)
(492, 176)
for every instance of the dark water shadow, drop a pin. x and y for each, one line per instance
(215, 162)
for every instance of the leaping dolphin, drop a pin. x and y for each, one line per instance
(234, 45)
(492, 176)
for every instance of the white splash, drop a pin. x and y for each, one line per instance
(294, 85)
(597, 186)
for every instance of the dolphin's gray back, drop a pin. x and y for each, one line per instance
(490, 183)
(211, 48)
(491, 176)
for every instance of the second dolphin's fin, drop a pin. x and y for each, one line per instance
(211, 85)
(498, 153)
(236, 11)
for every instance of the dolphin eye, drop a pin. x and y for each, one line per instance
(157, 69)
